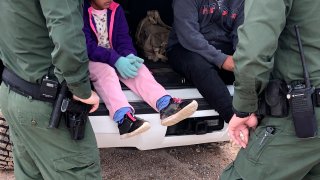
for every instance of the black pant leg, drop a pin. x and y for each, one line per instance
(205, 77)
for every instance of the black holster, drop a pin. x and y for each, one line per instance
(273, 101)
(76, 118)
(75, 113)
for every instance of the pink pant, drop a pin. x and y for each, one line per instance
(106, 83)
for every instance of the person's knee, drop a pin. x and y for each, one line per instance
(98, 70)
(192, 65)
(202, 71)
(183, 59)
(143, 69)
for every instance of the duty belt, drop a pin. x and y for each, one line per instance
(23, 87)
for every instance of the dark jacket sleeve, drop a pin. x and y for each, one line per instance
(188, 32)
(122, 41)
(238, 22)
(95, 52)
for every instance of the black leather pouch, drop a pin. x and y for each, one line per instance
(273, 101)
(276, 98)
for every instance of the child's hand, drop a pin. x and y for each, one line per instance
(126, 67)
(138, 61)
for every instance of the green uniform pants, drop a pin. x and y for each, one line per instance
(281, 156)
(42, 153)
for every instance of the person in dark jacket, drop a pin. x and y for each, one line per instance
(114, 58)
(201, 44)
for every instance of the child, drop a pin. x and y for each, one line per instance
(113, 58)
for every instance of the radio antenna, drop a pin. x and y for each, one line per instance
(303, 61)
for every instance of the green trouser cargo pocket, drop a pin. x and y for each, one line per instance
(82, 166)
(36, 117)
(249, 162)
(259, 141)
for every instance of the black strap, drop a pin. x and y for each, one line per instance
(1, 70)
(22, 87)
(316, 97)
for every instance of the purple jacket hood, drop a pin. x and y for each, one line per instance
(118, 33)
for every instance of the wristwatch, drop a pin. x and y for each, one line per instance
(241, 114)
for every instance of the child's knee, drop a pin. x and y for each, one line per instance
(98, 69)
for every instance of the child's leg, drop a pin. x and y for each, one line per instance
(148, 88)
(172, 110)
(107, 85)
(106, 82)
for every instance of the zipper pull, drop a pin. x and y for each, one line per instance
(269, 131)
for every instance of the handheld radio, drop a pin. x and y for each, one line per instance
(301, 101)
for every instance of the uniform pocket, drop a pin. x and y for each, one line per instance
(33, 113)
(82, 166)
(260, 139)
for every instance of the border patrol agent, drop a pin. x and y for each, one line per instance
(35, 35)
(267, 49)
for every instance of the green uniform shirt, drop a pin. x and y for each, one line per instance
(35, 34)
(268, 47)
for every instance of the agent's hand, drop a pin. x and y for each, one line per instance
(126, 67)
(240, 127)
(228, 64)
(93, 100)
(138, 61)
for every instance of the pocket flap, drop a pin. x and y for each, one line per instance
(70, 162)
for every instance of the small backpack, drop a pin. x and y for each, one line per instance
(152, 36)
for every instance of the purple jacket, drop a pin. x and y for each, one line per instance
(118, 34)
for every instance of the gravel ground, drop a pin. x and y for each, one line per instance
(205, 161)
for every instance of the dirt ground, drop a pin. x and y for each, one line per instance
(205, 161)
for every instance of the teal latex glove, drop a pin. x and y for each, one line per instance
(138, 61)
(126, 67)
